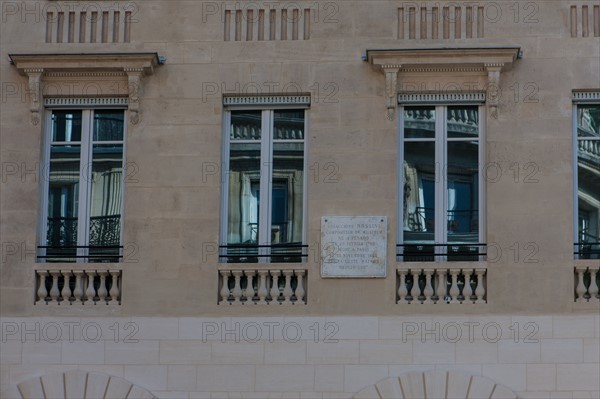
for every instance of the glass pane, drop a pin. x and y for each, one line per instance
(245, 125)
(244, 194)
(66, 126)
(289, 125)
(287, 196)
(419, 122)
(419, 192)
(105, 202)
(63, 200)
(588, 171)
(588, 121)
(463, 191)
(108, 125)
(463, 121)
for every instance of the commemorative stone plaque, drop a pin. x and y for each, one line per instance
(354, 246)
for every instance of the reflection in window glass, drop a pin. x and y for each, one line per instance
(108, 125)
(463, 191)
(66, 126)
(419, 122)
(266, 186)
(588, 177)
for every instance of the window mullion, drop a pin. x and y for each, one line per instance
(85, 181)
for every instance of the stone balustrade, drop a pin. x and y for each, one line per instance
(441, 285)
(586, 283)
(262, 287)
(78, 287)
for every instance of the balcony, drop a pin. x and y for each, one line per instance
(262, 287)
(442, 285)
(60, 287)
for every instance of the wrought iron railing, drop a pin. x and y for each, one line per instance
(253, 253)
(587, 250)
(453, 252)
(104, 240)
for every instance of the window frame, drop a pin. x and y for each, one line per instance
(441, 181)
(266, 183)
(84, 193)
(579, 99)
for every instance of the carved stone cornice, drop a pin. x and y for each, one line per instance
(120, 66)
(488, 61)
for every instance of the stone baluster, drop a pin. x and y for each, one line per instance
(237, 288)
(409, 297)
(454, 291)
(581, 289)
(225, 286)
(287, 289)
(300, 291)
(467, 289)
(249, 293)
(402, 291)
(262, 286)
(102, 291)
(114, 288)
(593, 288)
(90, 292)
(418, 296)
(54, 292)
(480, 289)
(66, 291)
(78, 291)
(441, 285)
(42, 292)
(428, 290)
(275, 287)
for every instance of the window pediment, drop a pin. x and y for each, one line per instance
(125, 68)
(487, 62)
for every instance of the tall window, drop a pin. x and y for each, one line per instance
(83, 186)
(587, 181)
(264, 197)
(440, 183)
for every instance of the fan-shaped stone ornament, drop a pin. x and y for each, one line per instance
(80, 384)
(436, 385)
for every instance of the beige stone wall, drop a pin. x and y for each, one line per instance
(173, 202)
(309, 357)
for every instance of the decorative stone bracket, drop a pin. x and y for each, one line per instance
(128, 68)
(488, 62)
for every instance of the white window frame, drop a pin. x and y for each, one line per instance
(267, 108)
(87, 108)
(441, 193)
(579, 98)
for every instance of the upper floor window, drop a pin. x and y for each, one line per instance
(441, 183)
(587, 178)
(263, 210)
(82, 201)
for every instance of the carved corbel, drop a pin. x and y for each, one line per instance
(493, 89)
(391, 88)
(35, 94)
(134, 80)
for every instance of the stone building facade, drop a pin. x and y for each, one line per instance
(329, 199)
